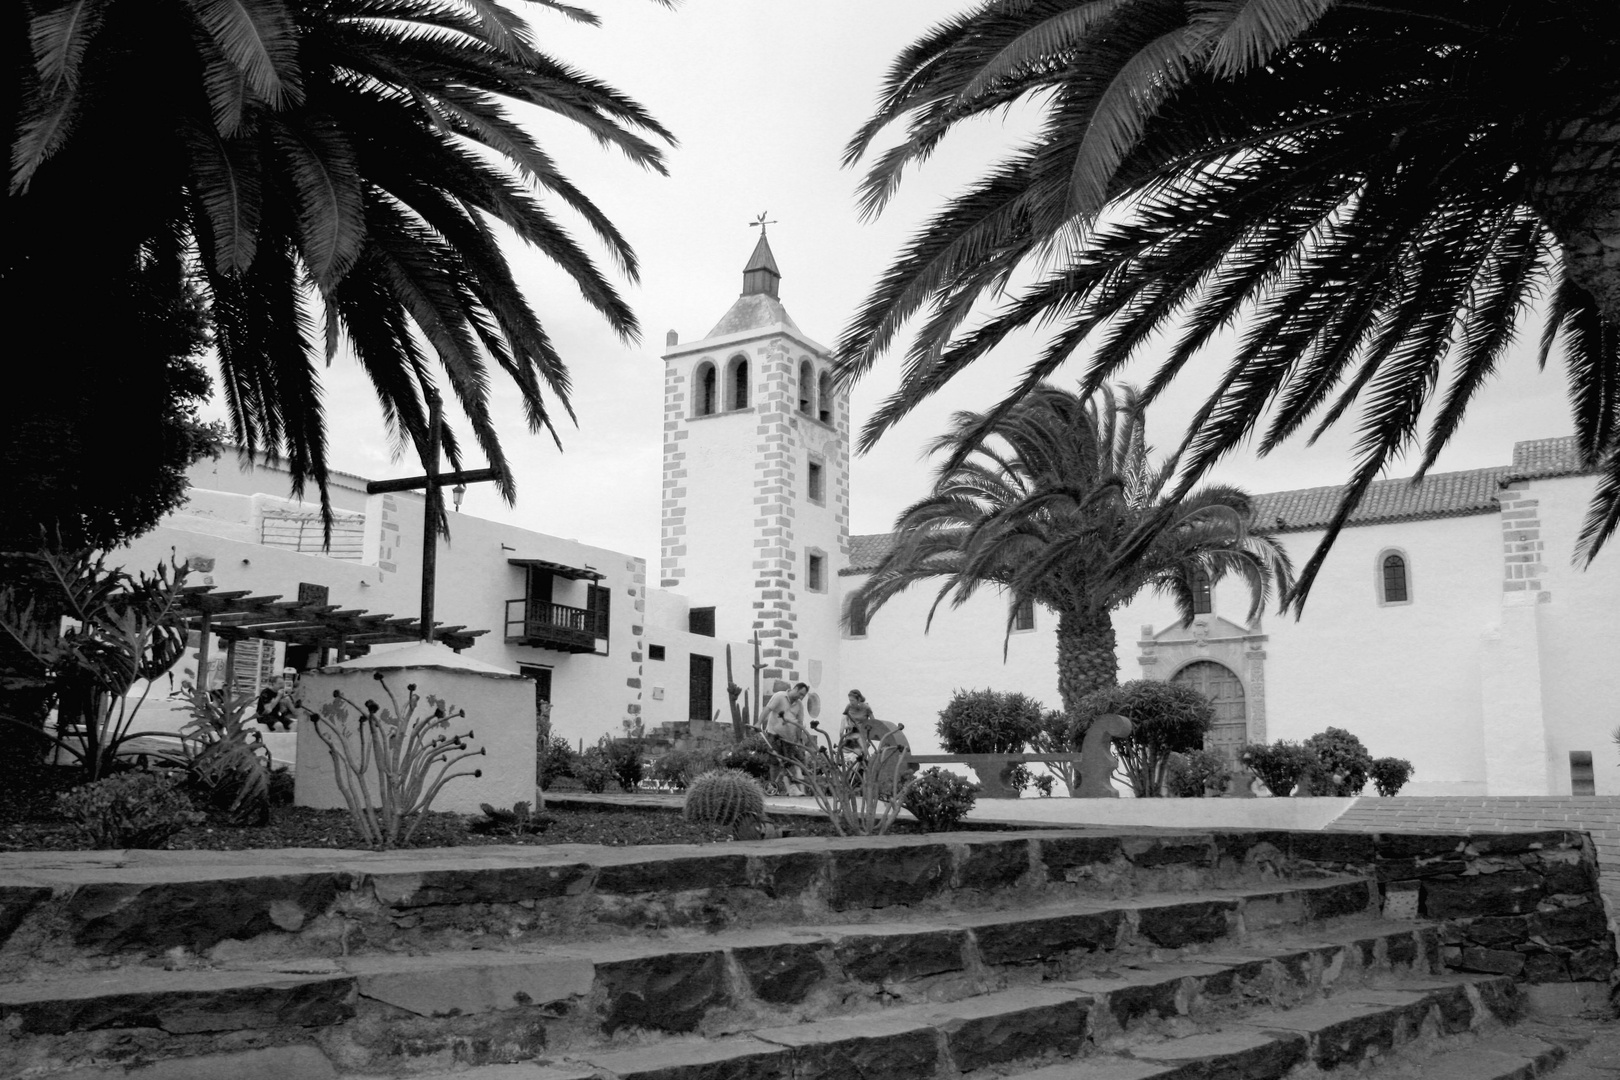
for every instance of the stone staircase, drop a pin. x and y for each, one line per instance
(1042, 955)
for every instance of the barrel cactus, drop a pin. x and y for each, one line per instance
(724, 797)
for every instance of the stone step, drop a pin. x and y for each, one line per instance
(485, 1005)
(1009, 1031)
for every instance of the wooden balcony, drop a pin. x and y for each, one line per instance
(552, 626)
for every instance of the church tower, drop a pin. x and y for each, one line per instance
(756, 483)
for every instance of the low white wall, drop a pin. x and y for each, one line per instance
(500, 713)
(1189, 814)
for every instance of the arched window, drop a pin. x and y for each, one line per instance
(1394, 578)
(705, 391)
(825, 397)
(807, 387)
(737, 383)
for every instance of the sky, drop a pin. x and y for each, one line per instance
(763, 95)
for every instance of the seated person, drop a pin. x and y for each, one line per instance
(276, 705)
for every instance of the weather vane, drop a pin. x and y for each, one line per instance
(761, 222)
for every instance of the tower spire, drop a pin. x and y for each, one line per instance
(761, 276)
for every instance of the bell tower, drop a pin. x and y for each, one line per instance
(756, 481)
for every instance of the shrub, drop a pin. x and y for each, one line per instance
(988, 722)
(1344, 763)
(752, 756)
(136, 809)
(626, 761)
(554, 759)
(228, 767)
(1390, 774)
(521, 820)
(679, 768)
(724, 797)
(1279, 765)
(1191, 775)
(1165, 719)
(282, 786)
(1043, 784)
(593, 770)
(939, 800)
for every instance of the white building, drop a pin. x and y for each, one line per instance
(1447, 626)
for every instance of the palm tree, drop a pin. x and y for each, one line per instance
(325, 173)
(1368, 189)
(1056, 502)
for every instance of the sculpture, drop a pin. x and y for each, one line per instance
(1097, 761)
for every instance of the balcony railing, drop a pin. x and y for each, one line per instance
(552, 626)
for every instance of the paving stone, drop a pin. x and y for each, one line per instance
(1487, 1062)
(1062, 855)
(270, 1063)
(873, 1047)
(1453, 1010)
(452, 984)
(781, 974)
(1333, 901)
(1016, 941)
(484, 885)
(1333, 847)
(1132, 994)
(1234, 1054)
(182, 1002)
(1544, 967)
(1492, 961)
(735, 1058)
(901, 954)
(1027, 1023)
(879, 877)
(995, 864)
(1107, 1068)
(16, 901)
(1516, 843)
(1567, 926)
(197, 914)
(1398, 847)
(517, 1070)
(668, 992)
(1507, 893)
(1341, 1032)
(1242, 847)
(1149, 851)
(1496, 930)
(1575, 877)
(1413, 869)
(784, 874)
(674, 875)
(1271, 911)
(1594, 963)
(1174, 926)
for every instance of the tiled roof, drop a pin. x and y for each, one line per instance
(752, 311)
(1438, 495)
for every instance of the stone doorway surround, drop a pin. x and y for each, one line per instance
(1209, 637)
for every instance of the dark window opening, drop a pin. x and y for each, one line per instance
(1024, 615)
(739, 383)
(313, 594)
(542, 683)
(700, 688)
(806, 387)
(597, 598)
(817, 483)
(816, 573)
(857, 622)
(1581, 779)
(1394, 579)
(700, 620)
(1202, 601)
(826, 396)
(655, 652)
(706, 391)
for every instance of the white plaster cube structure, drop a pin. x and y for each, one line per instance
(756, 484)
(500, 713)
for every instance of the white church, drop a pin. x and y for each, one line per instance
(1448, 625)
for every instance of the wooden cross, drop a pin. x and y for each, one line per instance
(433, 511)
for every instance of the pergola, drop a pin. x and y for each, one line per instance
(343, 633)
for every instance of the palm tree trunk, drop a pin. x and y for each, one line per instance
(1087, 655)
(1576, 190)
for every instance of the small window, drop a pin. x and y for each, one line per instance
(815, 573)
(737, 383)
(817, 483)
(700, 620)
(826, 398)
(1394, 578)
(1202, 601)
(1024, 615)
(705, 393)
(857, 624)
(807, 387)
(655, 652)
(1582, 781)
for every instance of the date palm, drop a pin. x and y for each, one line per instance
(1055, 500)
(1377, 194)
(327, 173)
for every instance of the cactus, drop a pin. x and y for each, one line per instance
(724, 797)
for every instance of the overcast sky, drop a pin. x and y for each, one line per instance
(763, 94)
